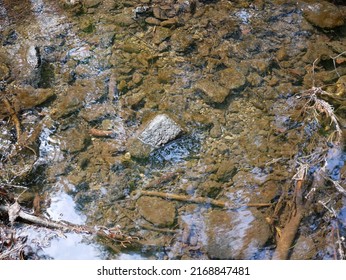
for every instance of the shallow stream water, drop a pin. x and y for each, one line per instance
(86, 79)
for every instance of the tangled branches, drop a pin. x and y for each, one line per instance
(319, 106)
(312, 169)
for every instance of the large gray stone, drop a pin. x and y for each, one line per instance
(156, 133)
(160, 131)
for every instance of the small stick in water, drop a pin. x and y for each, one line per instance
(101, 133)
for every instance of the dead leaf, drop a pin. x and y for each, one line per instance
(340, 60)
(13, 212)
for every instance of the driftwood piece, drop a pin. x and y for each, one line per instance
(198, 200)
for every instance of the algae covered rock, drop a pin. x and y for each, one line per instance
(70, 102)
(27, 97)
(161, 35)
(323, 14)
(74, 139)
(227, 169)
(156, 210)
(4, 71)
(213, 92)
(231, 78)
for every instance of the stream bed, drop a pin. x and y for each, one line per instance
(181, 126)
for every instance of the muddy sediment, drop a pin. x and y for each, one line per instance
(227, 80)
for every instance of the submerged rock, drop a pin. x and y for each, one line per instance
(304, 249)
(74, 139)
(341, 86)
(214, 93)
(28, 97)
(182, 40)
(226, 170)
(152, 21)
(156, 210)
(211, 188)
(25, 66)
(323, 14)
(32, 56)
(160, 131)
(161, 34)
(156, 133)
(5, 141)
(91, 3)
(70, 102)
(231, 78)
(4, 72)
(80, 53)
(125, 18)
(235, 235)
(96, 111)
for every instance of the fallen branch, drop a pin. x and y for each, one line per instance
(198, 200)
(44, 222)
(113, 234)
(318, 158)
